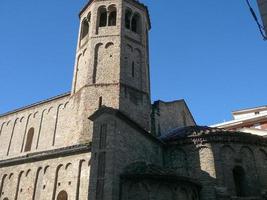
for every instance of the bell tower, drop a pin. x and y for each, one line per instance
(112, 60)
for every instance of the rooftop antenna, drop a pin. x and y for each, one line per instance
(261, 27)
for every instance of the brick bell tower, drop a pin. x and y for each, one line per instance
(112, 58)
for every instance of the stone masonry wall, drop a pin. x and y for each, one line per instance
(51, 122)
(124, 145)
(213, 165)
(98, 54)
(169, 115)
(195, 162)
(158, 190)
(134, 76)
(111, 56)
(46, 179)
(251, 158)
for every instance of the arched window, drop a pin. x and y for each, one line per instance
(63, 195)
(136, 24)
(102, 17)
(239, 176)
(30, 135)
(85, 28)
(112, 18)
(128, 19)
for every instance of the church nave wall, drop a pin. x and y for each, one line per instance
(47, 179)
(44, 126)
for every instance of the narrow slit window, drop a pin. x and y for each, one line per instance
(103, 137)
(133, 69)
(100, 102)
(29, 140)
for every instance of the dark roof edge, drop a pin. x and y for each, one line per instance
(36, 104)
(168, 102)
(85, 7)
(126, 119)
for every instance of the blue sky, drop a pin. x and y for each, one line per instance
(206, 52)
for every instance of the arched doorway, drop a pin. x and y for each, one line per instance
(240, 181)
(63, 195)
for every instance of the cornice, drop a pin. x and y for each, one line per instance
(222, 137)
(46, 155)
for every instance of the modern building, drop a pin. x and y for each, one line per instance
(105, 140)
(251, 120)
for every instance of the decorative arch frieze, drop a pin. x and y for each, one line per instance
(250, 170)
(12, 134)
(18, 185)
(68, 165)
(247, 156)
(5, 136)
(81, 162)
(21, 119)
(40, 128)
(36, 181)
(56, 181)
(49, 110)
(35, 114)
(77, 69)
(7, 186)
(1, 128)
(96, 57)
(56, 124)
(2, 183)
(109, 44)
(227, 160)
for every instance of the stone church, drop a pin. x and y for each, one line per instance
(105, 140)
